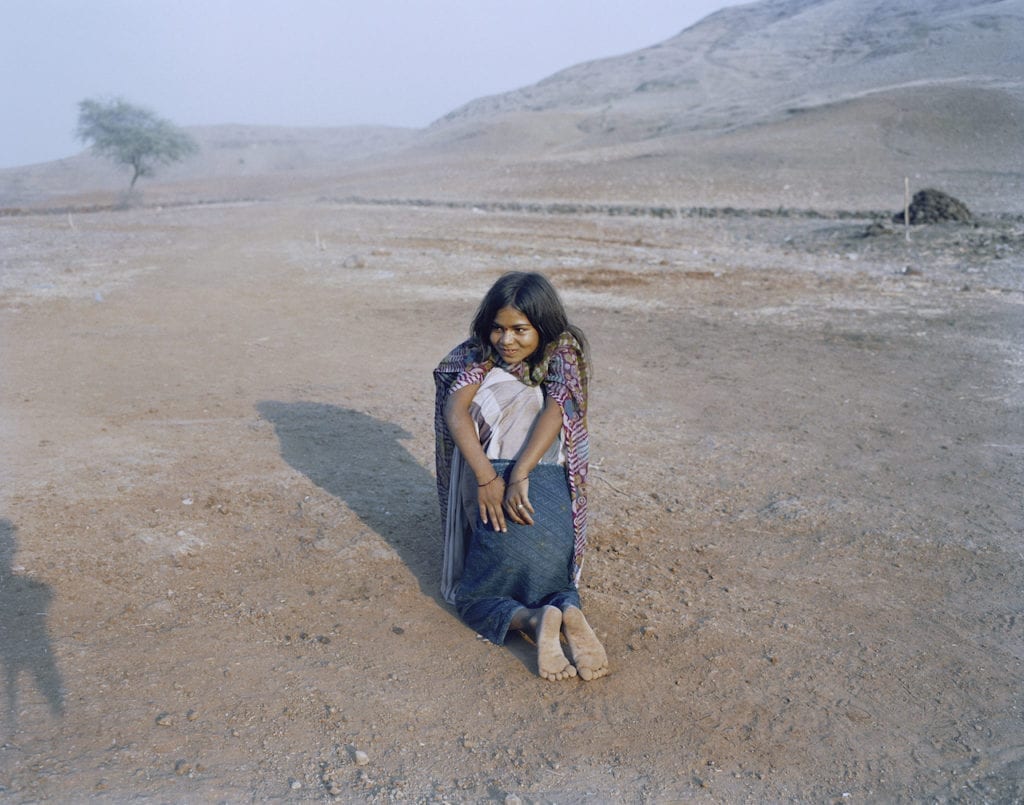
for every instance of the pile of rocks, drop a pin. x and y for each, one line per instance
(932, 207)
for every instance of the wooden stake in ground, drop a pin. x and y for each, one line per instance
(906, 208)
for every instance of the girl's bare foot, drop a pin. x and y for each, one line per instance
(587, 651)
(552, 663)
(545, 624)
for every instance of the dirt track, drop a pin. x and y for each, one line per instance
(219, 537)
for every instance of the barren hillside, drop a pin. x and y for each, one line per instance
(762, 61)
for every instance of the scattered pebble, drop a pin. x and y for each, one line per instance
(165, 720)
(361, 758)
(327, 778)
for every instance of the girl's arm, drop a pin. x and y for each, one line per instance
(490, 486)
(545, 431)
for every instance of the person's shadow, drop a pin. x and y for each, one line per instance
(24, 639)
(361, 460)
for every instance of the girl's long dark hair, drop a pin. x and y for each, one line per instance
(533, 296)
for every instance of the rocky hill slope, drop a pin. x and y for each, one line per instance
(764, 61)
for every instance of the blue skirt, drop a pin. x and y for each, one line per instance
(526, 566)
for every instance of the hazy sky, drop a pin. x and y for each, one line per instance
(296, 62)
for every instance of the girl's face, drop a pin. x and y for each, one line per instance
(513, 336)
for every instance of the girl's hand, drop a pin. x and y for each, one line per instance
(517, 502)
(489, 497)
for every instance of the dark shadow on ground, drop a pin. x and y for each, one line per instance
(24, 639)
(361, 460)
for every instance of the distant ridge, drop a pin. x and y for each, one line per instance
(225, 152)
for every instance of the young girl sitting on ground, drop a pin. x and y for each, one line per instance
(512, 450)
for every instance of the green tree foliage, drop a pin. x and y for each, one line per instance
(132, 135)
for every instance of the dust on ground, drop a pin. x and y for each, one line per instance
(219, 547)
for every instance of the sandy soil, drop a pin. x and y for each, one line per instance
(219, 546)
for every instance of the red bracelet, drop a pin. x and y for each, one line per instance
(495, 478)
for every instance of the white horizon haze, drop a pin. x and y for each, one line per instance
(321, 63)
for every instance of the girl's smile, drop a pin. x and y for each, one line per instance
(513, 336)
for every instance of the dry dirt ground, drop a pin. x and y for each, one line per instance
(219, 537)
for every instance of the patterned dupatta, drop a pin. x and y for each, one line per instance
(563, 376)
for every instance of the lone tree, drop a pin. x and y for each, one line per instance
(131, 135)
